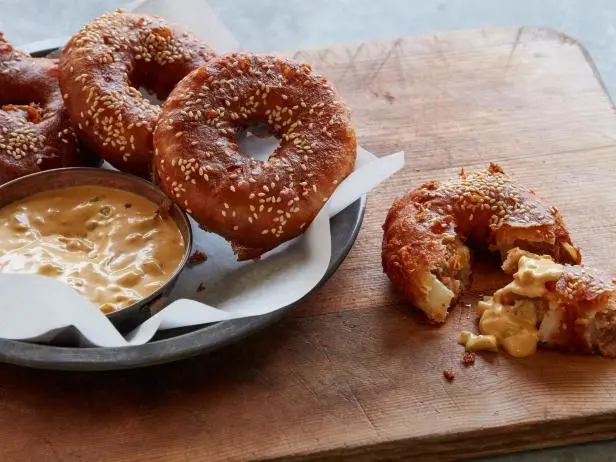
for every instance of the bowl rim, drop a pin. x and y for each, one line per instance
(181, 214)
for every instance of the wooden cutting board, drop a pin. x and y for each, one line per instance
(355, 373)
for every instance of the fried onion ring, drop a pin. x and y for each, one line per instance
(424, 251)
(35, 132)
(102, 68)
(255, 205)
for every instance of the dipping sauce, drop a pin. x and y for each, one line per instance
(111, 246)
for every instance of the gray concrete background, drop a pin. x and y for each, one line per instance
(262, 25)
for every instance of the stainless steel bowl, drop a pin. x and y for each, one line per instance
(23, 187)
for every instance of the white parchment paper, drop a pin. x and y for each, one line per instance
(34, 308)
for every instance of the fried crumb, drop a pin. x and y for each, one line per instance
(201, 287)
(469, 358)
(449, 375)
(197, 258)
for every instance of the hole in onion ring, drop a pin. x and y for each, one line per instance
(257, 141)
(151, 97)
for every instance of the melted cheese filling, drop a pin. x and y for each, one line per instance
(111, 246)
(511, 314)
(474, 342)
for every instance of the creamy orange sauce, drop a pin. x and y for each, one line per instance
(110, 245)
(510, 316)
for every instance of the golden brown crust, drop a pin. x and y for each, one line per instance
(101, 69)
(35, 133)
(605, 332)
(255, 205)
(422, 229)
(584, 297)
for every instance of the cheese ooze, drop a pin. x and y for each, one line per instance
(510, 315)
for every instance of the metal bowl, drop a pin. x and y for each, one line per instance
(21, 188)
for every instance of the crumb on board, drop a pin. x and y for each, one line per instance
(197, 258)
(449, 375)
(200, 288)
(469, 358)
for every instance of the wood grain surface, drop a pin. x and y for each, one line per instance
(355, 373)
